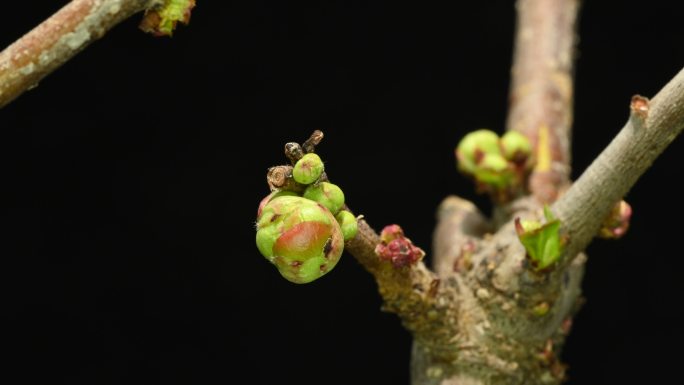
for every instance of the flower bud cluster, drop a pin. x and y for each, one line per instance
(498, 165)
(303, 235)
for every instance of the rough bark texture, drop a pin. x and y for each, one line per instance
(55, 41)
(652, 126)
(485, 316)
(513, 321)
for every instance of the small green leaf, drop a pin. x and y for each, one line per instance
(548, 214)
(543, 243)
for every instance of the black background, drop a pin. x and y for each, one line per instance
(132, 177)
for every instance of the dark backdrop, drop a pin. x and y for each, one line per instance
(132, 175)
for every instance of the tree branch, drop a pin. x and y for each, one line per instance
(413, 292)
(541, 89)
(460, 227)
(34, 56)
(652, 126)
(410, 290)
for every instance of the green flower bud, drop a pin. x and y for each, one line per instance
(300, 237)
(493, 170)
(473, 147)
(271, 196)
(516, 147)
(348, 224)
(327, 194)
(308, 169)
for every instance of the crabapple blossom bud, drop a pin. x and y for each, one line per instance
(300, 237)
(327, 194)
(308, 169)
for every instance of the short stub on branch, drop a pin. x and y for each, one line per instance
(161, 20)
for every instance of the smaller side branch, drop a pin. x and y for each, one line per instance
(460, 226)
(414, 292)
(410, 290)
(28, 60)
(652, 126)
(541, 89)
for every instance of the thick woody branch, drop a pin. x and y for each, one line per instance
(652, 126)
(27, 61)
(541, 89)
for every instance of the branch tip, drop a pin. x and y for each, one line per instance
(589, 201)
(280, 178)
(293, 152)
(639, 108)
(313, 141)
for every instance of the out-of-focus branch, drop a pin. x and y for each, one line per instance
(541, 89)
(460, 226)
(28, 60)
(652, 126)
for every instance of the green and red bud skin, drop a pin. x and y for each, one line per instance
(391, 232)
(348, 224)
(327, 194)
(308, 169)
(515, 147)
(299, 236)
(472, 147)
(617, 223)
(396, 248)
(270, 197)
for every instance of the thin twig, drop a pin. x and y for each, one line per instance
(541, 89)
(651, 128)
(28, 60)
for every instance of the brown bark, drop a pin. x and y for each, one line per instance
(542, 91)
(484, 317)
(28, 60)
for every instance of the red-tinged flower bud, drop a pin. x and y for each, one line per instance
(300, 237)
(617, 222)
(401, 252)
(391, 232)
(396, 248)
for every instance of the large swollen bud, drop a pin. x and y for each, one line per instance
(299, 236)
